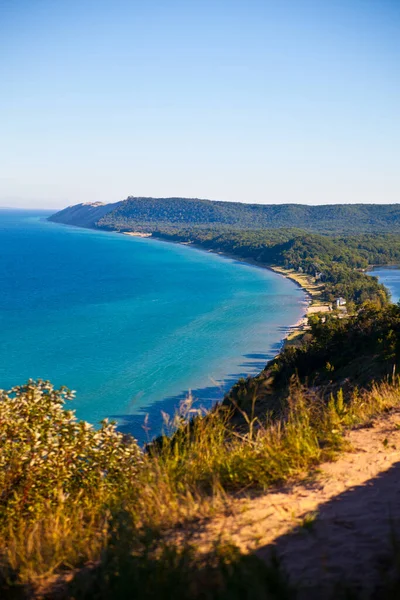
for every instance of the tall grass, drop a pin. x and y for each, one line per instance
(69, 492)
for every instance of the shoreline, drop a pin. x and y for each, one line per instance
(302, 281)
(312, 290)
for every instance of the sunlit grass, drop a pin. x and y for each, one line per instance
(69, 491)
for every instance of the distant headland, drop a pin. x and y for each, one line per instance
(327, 248)
(150, 214)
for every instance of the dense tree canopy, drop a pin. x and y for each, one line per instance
(153, 213)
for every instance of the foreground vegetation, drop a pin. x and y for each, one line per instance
(91, 503)
(88, 513)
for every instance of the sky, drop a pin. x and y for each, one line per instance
(266, 101)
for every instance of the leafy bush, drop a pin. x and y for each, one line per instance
(48, 456)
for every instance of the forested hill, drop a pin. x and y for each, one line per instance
(150, 214)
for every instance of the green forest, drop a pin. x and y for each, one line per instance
(156, 213)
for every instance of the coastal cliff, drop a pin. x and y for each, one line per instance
(83, 215)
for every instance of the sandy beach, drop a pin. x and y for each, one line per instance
(139, 234)
(313, 291)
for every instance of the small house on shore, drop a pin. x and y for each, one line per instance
(340, 302)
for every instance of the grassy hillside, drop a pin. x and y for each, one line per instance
(86, 513)
(148, 214)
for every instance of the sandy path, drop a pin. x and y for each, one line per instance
(335, 527)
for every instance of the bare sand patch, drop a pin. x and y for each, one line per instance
(139, 234)
(331, 528)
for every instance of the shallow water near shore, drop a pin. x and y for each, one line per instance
(132, 324)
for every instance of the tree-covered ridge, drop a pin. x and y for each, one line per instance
(349, 353)
(370, 337)
(149, 213)
(293, 247)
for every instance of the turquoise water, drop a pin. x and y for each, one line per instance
(390, 277)
(132, 324)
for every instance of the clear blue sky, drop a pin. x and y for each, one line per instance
(257, 101)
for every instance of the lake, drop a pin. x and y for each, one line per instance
(132, 324)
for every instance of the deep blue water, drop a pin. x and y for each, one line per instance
(390, 277)
(132, 324)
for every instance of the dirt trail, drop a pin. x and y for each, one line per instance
(336, 527)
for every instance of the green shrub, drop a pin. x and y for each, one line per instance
(48, 457)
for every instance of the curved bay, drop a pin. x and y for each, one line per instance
(132, 324)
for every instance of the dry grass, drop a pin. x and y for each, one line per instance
(183, 478)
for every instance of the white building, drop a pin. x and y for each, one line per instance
(340, 302)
